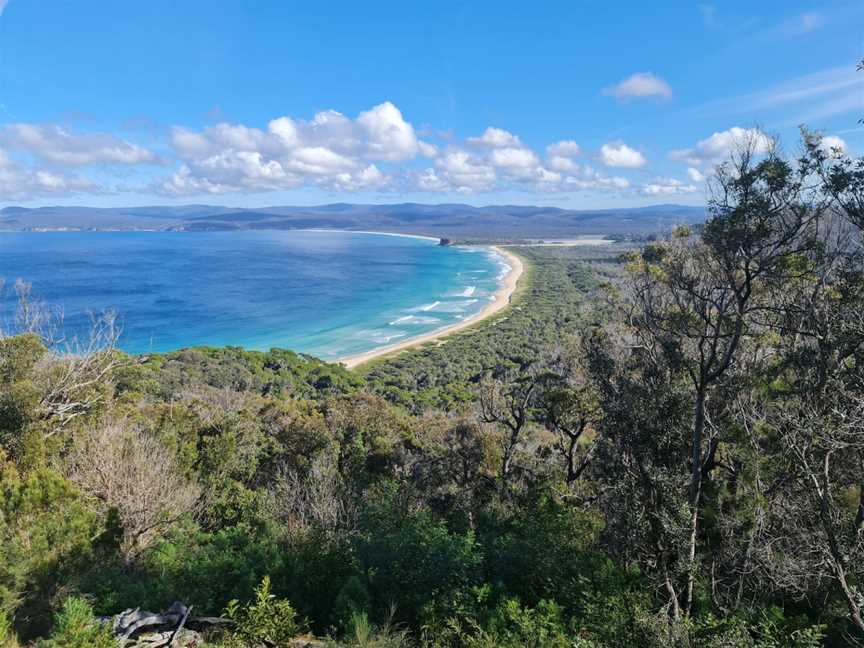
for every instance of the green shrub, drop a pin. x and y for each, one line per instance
(352, 598)
(76, 627)
(510, 625)
(45, 534)
(321, 574)
(411, 559)
(7, 635)
(546, 550)
(362, 634)
(202, 569)
(267, 620)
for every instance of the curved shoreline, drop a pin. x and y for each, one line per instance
(502, 300)
(343, 231)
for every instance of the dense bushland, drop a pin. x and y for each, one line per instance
(660, 449)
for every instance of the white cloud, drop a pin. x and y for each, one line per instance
(519, 161)
(428, 180)
(641, 84)
(666, 187)
(330, 151)
(545, 177)
(285, 130)
(600, 183)
(465, 173)
(804, 99)
(186, 182)
(427, 150)
(586, 178)
(57, 145)
(558, 163)
(18, 182)
(374, 151)
(368, 177)
(695, 175)
(833, 145)
(388, 135)
(620, 155)
(230, 171)
(187, 143)
(319, 160)
(496, 137)
(719, 146)
(564, 148)
(517, 168)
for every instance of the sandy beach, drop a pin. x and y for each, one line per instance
(583, 241)
(502, 300)
(343, 231)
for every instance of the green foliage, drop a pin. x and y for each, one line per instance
(76, 627)
(322, 575)
(411, 559)
(547, 550)
(512, 625)
(19, 394)
(273, 372)
(362, 634)
(202, 569)
(266, 620)
(550, 302)
(46, 533)
(352, 600)
(7, 633)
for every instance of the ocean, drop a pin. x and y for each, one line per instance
(328, 294)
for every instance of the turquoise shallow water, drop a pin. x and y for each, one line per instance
(330, 294)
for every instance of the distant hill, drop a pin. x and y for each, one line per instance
(455, 221)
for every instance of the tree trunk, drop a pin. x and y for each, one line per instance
(695, 493)
(851, 600)
(838, 560)
(859, 518)
(673, 595)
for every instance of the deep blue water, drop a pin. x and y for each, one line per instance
(330, 294)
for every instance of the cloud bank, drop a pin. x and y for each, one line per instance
(335, 152)
(378, 151)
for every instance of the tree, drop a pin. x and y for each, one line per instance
(700, 307)
(506, 400)
(569, 406)
(816, 404)
(128, 471)
(68, 375)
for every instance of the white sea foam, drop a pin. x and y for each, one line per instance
(414, 319)
(468, 291)
(384, 337)
(426, 307)
(455, 306)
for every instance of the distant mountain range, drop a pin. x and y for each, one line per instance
(455, 221)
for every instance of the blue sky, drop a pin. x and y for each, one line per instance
(576, 104)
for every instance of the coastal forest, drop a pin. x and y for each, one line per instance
(660, 443)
